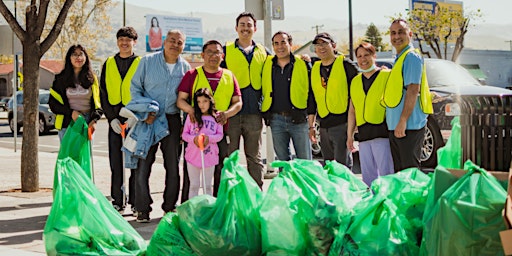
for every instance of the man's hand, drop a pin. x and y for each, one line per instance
(116, 125)
(400, 129)
(312, 135)
(151, 118)
(350, 144)
(221, 118)
(192, 116)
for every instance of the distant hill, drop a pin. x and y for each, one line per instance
(221, 27)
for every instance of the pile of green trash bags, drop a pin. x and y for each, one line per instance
(82, 221)
(310, 209)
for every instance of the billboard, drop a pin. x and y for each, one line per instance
(157, 27)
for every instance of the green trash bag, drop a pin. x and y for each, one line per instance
(408, 190)
(228, 224)
(337, 171)
(303, 209)
(450, 155)
(75, 144)
(82, 221)
(377, 228)
(465, 218)
(168, 239)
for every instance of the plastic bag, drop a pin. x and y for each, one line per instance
(168, 239)
(450, 156)
(408, 190)
(229, 224)
(81, 220)
(303, 209)
(377, 228)
(465, 219)
(75, 144)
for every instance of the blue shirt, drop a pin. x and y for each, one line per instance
(154, 81)
(411, 71)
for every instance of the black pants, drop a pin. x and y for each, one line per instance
(406, 151)
(115, 142)
(171, 155)
(186, 181)
(223, 153)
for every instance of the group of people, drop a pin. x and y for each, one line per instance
(240, 87)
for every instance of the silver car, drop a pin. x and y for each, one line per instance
(46, 117)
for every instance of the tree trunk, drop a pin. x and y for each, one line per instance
(29, 149)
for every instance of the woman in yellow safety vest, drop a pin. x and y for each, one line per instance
(75, 91)
(368, 114)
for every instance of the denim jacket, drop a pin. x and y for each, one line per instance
(144, 135)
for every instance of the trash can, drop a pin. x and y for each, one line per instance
(486, 131)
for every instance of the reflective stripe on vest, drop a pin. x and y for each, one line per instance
(224, 91)
(299, 84)
(393, 92)
(367, 106)
(119, 89)
(334, 97)
(59, 118)
(246, 73)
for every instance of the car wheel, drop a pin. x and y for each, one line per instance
(316, 148)
(42, 125)
(432, 141)
(11, 125)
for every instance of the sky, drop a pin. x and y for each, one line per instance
(363, 11)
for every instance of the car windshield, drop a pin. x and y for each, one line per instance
(44, 98)
(447, 73)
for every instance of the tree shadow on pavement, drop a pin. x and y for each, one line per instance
(24, 207)
(17, 226)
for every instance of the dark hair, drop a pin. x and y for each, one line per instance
(210, 42)
(367, 46)
(204, 92)
(246, 14)
(127, 32)
(280, 32)
(85, 77)
(157, 24)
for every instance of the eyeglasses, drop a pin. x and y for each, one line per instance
(322, 44)
(209, 53)
(76, 55)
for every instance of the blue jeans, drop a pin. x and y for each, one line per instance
(283, 130)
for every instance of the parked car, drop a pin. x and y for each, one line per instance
(448, 81)
(3, 103)
(46, 117)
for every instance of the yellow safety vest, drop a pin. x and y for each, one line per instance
(119, 89)
(224, 91)
(59, 118)
(299, 84)
(246, 74)
(395, 87)
(334, 97)
(367, 106)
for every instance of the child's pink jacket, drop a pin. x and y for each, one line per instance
(214, 132)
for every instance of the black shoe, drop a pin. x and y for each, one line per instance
(143, 217)
(119, 209)
(134, 211)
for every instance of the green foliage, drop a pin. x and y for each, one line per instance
(374, 37)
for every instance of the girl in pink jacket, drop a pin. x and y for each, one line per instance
(204, 113)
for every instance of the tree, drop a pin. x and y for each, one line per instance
(374, 37)
(87, 23)
(33, 49)
(439, 28)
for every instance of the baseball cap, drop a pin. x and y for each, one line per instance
(324, 36)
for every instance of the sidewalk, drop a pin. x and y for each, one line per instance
(23, 215)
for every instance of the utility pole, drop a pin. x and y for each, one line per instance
(124, 13)
(350, 33)
(509, 41)
(317, 27)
